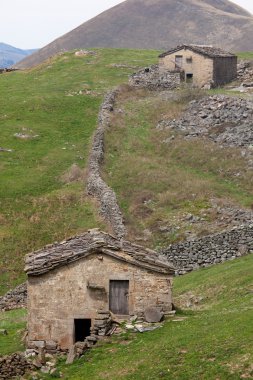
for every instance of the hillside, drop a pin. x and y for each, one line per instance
(209, 338)
(10, 55)
(48, 116)
(158, 24)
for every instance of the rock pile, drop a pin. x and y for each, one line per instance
(102, 323)
(13, 366)
(14, 299)
(153, 78)
(95, 185)
(223, 119)
(245, 72)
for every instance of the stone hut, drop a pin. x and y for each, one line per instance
(72, 282)
(201, 65)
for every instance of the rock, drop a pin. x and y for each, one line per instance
(153, 315)
(71, 355)
(3, 332)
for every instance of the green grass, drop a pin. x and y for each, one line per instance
(15, 323)
(36, 207)
(245, 55)
(213, 340)
(158, 183)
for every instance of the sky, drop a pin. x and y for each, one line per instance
(29, 24)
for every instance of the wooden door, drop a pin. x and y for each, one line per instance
(178, 62)
(118, 297)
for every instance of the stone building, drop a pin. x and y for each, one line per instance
(201, 65)
(70, 283)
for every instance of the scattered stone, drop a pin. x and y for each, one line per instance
(223, 119)
(153, 315)
(5, 150)
(24, 136)
(83, 53)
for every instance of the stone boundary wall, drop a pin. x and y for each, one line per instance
(155, 79)
(14, 365)
(14, 299)
(96, 186)
(210, 250)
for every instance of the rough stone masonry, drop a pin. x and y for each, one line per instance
(210, 250)
(95, 185)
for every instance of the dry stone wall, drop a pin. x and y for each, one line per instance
(153, 78)
(14, 299)
(14, 365)
(210, 250)
(96, 186)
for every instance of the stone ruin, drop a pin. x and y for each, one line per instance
(155, 79)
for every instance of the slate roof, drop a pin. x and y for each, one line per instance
(94, 241)
(208, 51)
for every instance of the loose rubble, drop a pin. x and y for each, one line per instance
(222, 119)
(245, 72)
(155, 79)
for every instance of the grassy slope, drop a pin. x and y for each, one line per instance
(14, 322)
(213, 341)
(158, 184)
(36, 208)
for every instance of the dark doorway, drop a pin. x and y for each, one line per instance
(118, 301)
(82, 329)
(189, 78)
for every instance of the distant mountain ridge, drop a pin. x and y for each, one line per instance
(158, 24)
(9, 55)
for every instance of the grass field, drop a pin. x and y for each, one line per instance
(160, 178)
(56, 103)
(212, 340)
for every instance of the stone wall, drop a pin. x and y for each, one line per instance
(14, 299)
(153, 78)
(95, 185)
(80, 289)
(14, 365)
(200, 66)
(210, 250)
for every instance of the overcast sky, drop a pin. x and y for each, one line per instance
(34, 23)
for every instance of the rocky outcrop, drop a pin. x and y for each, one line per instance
(210, 250)
(222, 119)
(96, 186)
(155, 79)
(14, 365)
(14, 299)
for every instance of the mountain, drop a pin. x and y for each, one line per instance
(158, 24)
(10, 55)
